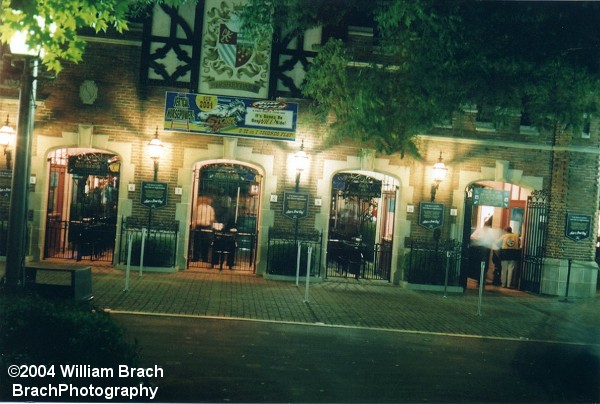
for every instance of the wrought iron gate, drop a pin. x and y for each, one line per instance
(361, 226)
(534, 241)
(81, 218)
(224, 222)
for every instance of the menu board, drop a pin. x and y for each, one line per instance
(431, 215)
(295, 205)
(154, 194)
(578, 227)
(491, 197)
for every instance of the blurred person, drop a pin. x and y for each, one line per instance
(509, 244)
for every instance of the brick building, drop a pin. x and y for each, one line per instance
(363, 214)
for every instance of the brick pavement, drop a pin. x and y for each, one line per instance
(350, 303)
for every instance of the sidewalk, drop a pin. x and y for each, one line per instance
(350, 303)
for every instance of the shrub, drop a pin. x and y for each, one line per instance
(36, 331)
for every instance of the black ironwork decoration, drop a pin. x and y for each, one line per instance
(172, 60)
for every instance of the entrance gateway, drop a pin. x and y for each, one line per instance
(505, 204)
(81, 215)
(224, 217)
(361, 225)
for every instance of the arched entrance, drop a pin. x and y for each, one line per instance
(224, 216)
(500, 205)
(81, 215)
(361, 225)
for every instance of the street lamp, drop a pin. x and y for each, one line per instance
(19, 194)
(439, 174)
(301, 163)
(7, 134)
(155, 152)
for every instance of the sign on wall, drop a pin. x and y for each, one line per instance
(154, 194)
(491, 197)
(295, 205)
(578, 227)
(230, 116)
(431, 215)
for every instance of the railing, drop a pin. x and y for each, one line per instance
(160, 245)
(346, 259)
(430, 262)
(80, 240)
(204, 252)
(282, 253)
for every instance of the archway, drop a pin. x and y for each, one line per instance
(224, 216)
(361, 225)
(81, 214)
(498, 205)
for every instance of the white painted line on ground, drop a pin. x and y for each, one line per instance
(354, 327)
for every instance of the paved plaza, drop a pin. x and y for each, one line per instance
(343, 302)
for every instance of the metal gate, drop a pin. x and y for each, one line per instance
(534, 241)
(224, 222)
(361, 226)
(81, 218)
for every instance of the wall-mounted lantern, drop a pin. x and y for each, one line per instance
(301, 163)
(439, 174)
(7, 135)
(155, 152)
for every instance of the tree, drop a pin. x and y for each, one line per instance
(433, 58)
(53, 26)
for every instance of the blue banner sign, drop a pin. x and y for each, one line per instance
(230, 116)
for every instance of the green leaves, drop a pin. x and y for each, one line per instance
(52, 25)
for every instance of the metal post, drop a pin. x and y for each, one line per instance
(19, 195)
(481, 283)
(446, 277)
(307, 274)
(298, 263)
(566, 299)
(128, 268)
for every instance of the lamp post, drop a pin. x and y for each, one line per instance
(155, 152)
(19, 195)
(7, 134)
(439, 174)
(301, 163)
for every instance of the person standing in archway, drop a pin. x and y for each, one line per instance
(509, 253)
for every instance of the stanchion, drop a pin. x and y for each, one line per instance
(143, 247)
(129, 242)
(298, 263)
(307, 274)
(446, 277)
(481, 284)
(566, 299)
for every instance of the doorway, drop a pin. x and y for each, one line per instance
(224, 217)
(361, 225)
(499, 205)
(81, 214)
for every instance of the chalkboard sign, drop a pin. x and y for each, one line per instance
(154, 194)
(431, 215)
(578, 227)
(295, 205)
(491, 197)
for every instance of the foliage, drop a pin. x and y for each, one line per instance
(36, 331)
(53, 26)
(433, 58)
